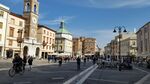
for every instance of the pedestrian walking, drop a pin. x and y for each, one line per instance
(49, 58)
(30, 60)
(60, 61)
(84, 61)
(24, 62)
(78, 63)
(94, 60)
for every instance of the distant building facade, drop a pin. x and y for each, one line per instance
(128, 46)
(84, 46)
(77, 46)
(143, 40)
(89, 46)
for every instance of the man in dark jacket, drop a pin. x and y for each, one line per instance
(78, 63)
(30, 60)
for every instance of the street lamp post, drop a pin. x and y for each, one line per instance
(19, 38)
(119, 32)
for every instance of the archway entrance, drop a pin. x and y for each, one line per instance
(46, 55)
(25, 51)
(37, 52)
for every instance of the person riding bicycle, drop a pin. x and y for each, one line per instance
(17, 63)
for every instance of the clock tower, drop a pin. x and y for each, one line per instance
(31, 9)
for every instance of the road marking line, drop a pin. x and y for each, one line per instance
(141, 81)
(141, 70)
(22, 83)
(45, 72)
(76, 76)
(108, 80)
(2, 69)
(86, 76)
(57, 78)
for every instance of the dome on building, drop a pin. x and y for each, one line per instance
(62, 29)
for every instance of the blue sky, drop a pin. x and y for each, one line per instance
(90, 18)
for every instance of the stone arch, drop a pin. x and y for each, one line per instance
(25, 51)
(37, 52)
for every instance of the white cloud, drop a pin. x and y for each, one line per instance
(111, 3)
(59, 19)
(56, 21)
(119, 3)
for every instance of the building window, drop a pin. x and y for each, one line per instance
(50, 41)
(12, 21)
(47, 39)
(43, 38)
(141, 47)
(10, 42)
(1, 25)
(44, 32)
(11, 32)
(53, 41)
(46, 47)
(0, 37)
(146, 45)
(133, 43)
(60, 48)
(28, 7)
(18, 44)
(1, 13)
(34, 8)
(47, 33)
(20, 23)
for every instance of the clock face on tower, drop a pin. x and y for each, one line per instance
(34, 20)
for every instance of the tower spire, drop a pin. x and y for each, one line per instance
(62, 24)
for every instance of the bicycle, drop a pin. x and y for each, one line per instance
(15, 70)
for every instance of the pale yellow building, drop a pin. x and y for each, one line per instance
(4, 13)
(46, 36)
(129, 46)
(15, 24)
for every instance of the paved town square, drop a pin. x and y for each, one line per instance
(74, 42)
(51, 73)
